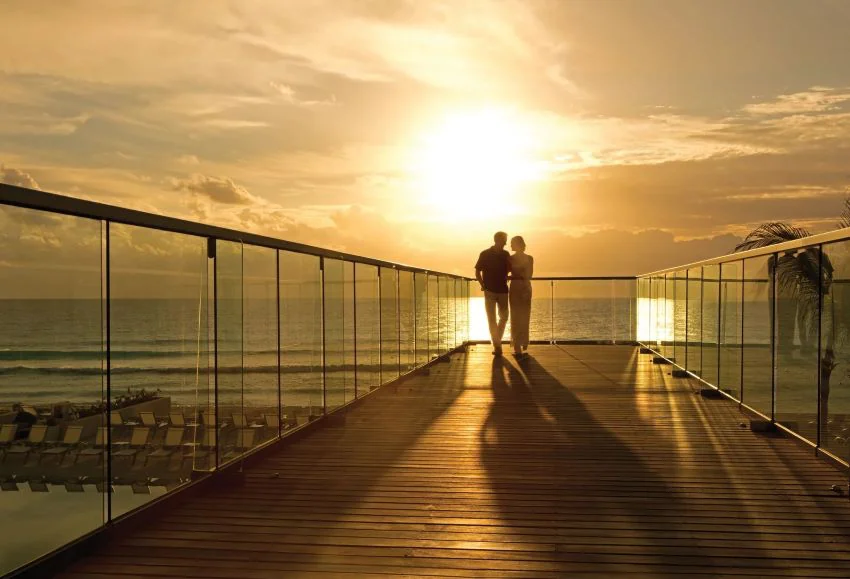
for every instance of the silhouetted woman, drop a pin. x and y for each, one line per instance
(522, 269)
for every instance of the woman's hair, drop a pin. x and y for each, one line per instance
(519, 241)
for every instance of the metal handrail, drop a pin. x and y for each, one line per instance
(821, 238)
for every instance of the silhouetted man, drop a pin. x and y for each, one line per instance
(491, 271)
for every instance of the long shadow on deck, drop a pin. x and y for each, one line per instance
(565, 481)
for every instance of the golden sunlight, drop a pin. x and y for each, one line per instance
(474, 165)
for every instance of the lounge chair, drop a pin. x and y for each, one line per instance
(69, 441)
(37, 437)
(208, 444)
(116, 418)
(99, 448)
(148, 419)
(239, 420)
(7, 434)
(138, 441)
(173, 442)
(177, 419)
(244, 442)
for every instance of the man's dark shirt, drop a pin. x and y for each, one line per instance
(494, 264)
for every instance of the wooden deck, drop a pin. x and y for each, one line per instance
(583, 461)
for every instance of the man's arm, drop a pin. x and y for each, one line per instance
(479, 272)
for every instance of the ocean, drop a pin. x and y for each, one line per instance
(53, 351)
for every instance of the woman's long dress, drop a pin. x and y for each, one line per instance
(520, 299)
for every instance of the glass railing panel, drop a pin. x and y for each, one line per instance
(642, 328)
(757, 350)
(653, 311)
(368, 328)
(454, 312)
(659, 286)
(467, 286)
(260, 417)
(710, 322)
(334, 328)
(52, 385)
(434, 315)
(348, 332)
(731, 307)
(420, 293)
(389, 325)
(229, 330)
(668, 317)
(592, 310)
(407, 320)
(443, 316)
(301, 337)
(159, 379)
(835, 351)
(680, 317)
(693, 363)
(624, 314)
(797, 318)
(540, 321)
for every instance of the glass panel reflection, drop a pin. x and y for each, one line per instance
(334, 328)
(229, 354)
(159, 380)
(694, 312)
(730, 328)
(420, 292)
(407, 320)
(710, 322)
(301, 337)
(797, 318)
(835, 350)
(348, 339)
(51, 380)
(368, 328)
(758, 355)
(260, 411)
(389, 325)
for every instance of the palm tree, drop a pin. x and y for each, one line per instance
(806, 276)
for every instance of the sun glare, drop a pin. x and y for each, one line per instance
(475, 164)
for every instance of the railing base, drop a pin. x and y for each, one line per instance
(712, 393)
(645, 350)
(662, 361)
(679, 373)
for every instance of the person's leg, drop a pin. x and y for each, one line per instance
(504, 312)
(512, 313)
(490, 308)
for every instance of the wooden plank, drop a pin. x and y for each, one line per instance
(584, 460)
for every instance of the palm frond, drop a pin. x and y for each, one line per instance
(771, 234)
(844, 220)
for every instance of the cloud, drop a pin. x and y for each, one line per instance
(815, 100)
(188, 160)
(218, 189)
(12, 176)
(289, 95)
(235, 124)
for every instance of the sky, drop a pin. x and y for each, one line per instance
(617, 136)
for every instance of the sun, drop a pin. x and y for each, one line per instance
(474, 165)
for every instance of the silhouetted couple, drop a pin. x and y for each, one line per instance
(494, 268)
